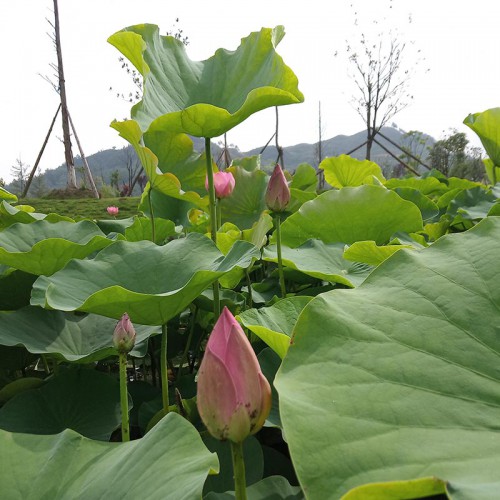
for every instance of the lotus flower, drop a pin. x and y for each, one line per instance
(278, 192)
(124, 335)
(234, 397)
(223, 183)
(113, 210)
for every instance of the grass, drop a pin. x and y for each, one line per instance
(89, 208)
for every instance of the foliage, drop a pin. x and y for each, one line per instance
(372, 309)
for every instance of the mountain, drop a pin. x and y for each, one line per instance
(106, 162)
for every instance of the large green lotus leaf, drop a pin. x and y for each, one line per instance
(270, 488)
(324, 261)
(274, 324)
(142, 229)
(351, 214)
(169, 462)
(341, 171)
(67, 336)
(487, 127)
(15, 288)
(43, 247)
(151, 283)
(247, 201)
(176, 152)
(10, 215)
(370, 253)
(206, 98)
(81, 399)
(5, 195)
(427, 185)
(398, 379)
(427, 207)
(472, 204)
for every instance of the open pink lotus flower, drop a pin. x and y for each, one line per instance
(278, 192)
(234, 397)
(124, 334)
(223, 183)
(113, 210)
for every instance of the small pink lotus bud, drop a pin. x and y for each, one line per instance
(223, 183)
(113, 210)
(124, 335)
(278, 192)
(234, 397)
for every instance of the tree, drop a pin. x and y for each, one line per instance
(381, 76)
(19, 172)
(415, 146)
(452, 157)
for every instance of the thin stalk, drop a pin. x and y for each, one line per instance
(151, 216)
(240, 491)
(164, 368)
(280, 261)
(213, 216)
(124, 397)
(188, 345)
(249, 285)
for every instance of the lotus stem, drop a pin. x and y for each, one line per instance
(280, 260)
(240, 487)
(151, 215)
(164, 369)
(124, 397)
(188, 344)
(213, 216)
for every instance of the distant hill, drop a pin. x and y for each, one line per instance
(105, 162)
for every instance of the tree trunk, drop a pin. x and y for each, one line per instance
(68, 154)
(369, 142)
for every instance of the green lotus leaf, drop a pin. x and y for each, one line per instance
(177, 161)
(142, 229)
(245, 205)
(370, 253)
(427, 186)
(10, 215)
(398, 379)
(67, 336)
(43, 247)
(324, 261)
(269, 363)
(15, 289)
(84, 400)
(169, 462)
(151, 283)
(487, 127)
(206, 98)
(274, 324)
(341, 171)
(5, 195)
(427, 207)
(270, 488)
(351, 214)
(472, 204)
(18, 386)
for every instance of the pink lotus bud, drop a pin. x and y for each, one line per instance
(223, 183)
(234, 397)
(124, 335)
(278, 192)
(113, 210)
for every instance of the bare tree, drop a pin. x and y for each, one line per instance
(381, 76)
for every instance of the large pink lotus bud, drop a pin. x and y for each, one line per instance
(278, 192)
(124, 335)
(234, 397)
(223, 183)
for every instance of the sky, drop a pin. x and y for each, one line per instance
(459, 43)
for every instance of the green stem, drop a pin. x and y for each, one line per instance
(124, 397)
(239, 471)
(213, 216)
(280, 260)
(164, 368)
(249, 285)
(152, 216)
(188, 344)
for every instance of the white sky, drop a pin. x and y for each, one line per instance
(460, 41)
